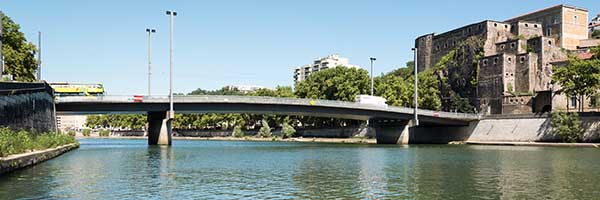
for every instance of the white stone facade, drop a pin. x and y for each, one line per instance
(331, 61)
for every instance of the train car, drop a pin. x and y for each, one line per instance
(77, 89)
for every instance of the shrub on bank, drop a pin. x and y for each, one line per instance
(265, 130)
(86, 132)
(71, 133)
(16, 142)
(287, 131)
(237, 132)
(567, 126)
(104, 133)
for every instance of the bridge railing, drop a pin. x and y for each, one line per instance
(259, 100)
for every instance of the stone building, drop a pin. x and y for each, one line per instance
(508, 64)
(331, 61)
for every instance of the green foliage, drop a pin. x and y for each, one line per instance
(237, 132)
(71, 133)
(104, 133)
(567, 126)
(596, 34)
(287, 130)
(19, 55)
(339, 83)
(87, 132)
(123, 121)
(16, 142)
(265, 130)
(580, 78)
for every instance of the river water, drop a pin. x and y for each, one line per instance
(194, 169)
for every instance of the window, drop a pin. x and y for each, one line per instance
(495, 60)
(575, 19)
(573, 102)
(502, 46)
(549, 20)
(549, 42)
(512, 45)
(548, 31)
(485, 62)
(535, 25)
(509, 60)
(522, 59)
(557, 19)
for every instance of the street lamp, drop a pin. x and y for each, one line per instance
(372, 60)
(1, 55)
(150, 31)
(416, 117)
(172, 15)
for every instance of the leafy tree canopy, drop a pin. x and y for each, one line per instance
(338, 83)
(19, 55)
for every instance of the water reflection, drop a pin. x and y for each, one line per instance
(125, 169)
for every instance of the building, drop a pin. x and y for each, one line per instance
(70, 122)
(567, 25)
(595, 24)
(245, 88)
(510, 61)
(331, 61)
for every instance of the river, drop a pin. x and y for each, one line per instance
(194, 169)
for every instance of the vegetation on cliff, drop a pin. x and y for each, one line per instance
(19, 54)
(16, 142)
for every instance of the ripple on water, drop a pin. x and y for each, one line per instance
(125, 169)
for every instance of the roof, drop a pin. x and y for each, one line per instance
(546, 9)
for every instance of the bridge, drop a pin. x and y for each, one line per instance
(389, 121)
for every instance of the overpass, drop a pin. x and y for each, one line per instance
(389, 122)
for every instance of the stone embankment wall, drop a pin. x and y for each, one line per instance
(15, 162)
(27, 106)
(529, 129)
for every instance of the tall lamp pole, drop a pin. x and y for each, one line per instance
(372, 60)
(39, 71)
(1, 55)
(416, 116)
(172, 15)
(150, 31)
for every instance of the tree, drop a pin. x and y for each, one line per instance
(265, 130)
(287, 130)
(19, 55)
(394, 89)
(580, 78)
(339, 83)
(237, 132)
(596, 34)
(567, 126)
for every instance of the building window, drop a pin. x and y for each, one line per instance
(522, 59)
(495, 61)
(535, 25)
(509, 60)
(557, 19)
(512, 45)
(573, 102)
(485, 62)
(575, 19)
(502, 46)
(548, 31)
(549, 42)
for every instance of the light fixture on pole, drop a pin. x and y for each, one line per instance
(39, 71)
(150, 31)
(172, 15)
(416, 116)
(372, 60)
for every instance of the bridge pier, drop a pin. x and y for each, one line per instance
(159, 128)
(390, 131)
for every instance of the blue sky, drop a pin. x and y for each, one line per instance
(249, 42)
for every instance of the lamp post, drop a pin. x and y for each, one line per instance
(39, 71)
(1, 55)
(150, 31)
(372, 60)
(416, 116)
(172, 15)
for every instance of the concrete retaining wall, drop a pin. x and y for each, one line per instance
(14, 162)
(533, 129)
(27, 106)
(323, 133)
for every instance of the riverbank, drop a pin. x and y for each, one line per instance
(317, 140)
(536, 144)
(19, 161)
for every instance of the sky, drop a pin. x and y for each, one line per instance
(236, 42)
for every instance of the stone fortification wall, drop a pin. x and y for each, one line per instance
(27, 106)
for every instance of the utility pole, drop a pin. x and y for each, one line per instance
(1, 55)
(39, 71)
(150, 31)
(416, 116)
(372, 60)
(172, 15)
